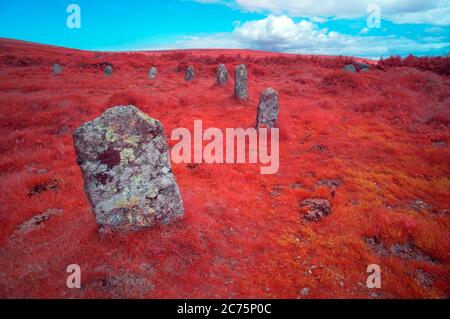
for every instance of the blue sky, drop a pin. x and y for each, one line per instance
(335, 27)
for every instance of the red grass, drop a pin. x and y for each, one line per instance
(243, 235)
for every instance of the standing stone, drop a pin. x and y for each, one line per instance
(268, 109)
(123, 155)
(108, 70)
(56, 69)
(190, 73)
(349, 68)
(222, 75)
(152, 73)
(240, 82)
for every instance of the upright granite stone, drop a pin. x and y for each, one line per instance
(190, 73)
(240, 82)
(152, 73)
(268, 109)
(108, 70)
(222, 75)
(56, 69)
(123, 155)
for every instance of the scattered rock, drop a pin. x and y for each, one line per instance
(330, 183)
(152, 73)
(277, 190)
(36, 221)
(316, 208)
(50, 185)
(108, 69)
(349, 68)
(362, 67)
(240, 82)
(305, 291)
(123, 155)
(222, 75)
(268, 109)
(419, 205)
(296, 185)
(56, 69)
(319, 147)
(409, 251)
(440, 144)
(190, 73)
(424, 279)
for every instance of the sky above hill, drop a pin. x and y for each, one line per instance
(367, 28)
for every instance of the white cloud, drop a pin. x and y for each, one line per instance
(435, 12)
(281, 33)
(364, 30)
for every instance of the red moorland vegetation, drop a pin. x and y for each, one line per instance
(381, 136)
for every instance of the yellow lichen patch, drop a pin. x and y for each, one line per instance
(126, 156)
(132, 140)
(110, 135)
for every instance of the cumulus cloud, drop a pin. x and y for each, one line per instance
(282, 34)
(436, 12)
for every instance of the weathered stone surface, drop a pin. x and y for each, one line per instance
(152, 73)
(108, 70)
(222, 75)
(56, 69)
(268, 109)
(240, 82)
(349, 68)
(190, 73)
(316, 208)
(123, 155)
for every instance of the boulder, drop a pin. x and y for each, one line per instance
(268, 109)
(350, 68)
(123, 155)
(222, 75)
(240, 82)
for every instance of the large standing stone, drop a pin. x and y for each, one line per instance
(123, 155)
(152, 73)
(56, 69)
(222, 75)
(268, 109)
(190, 73)
(108, 70)
(240, 82)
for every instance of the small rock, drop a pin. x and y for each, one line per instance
(440, 144)
(152, 73)
(319, 147)
(409, 251)
(316, 208)
(190, 73)
(240, 82)
(222, 75)
(349, 68)
(268, 109)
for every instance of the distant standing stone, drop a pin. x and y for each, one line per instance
(123, 155)
(268, 109)
(152, 73)
(240, 82)
(56, 69)
(222, 75)
(190, 73)
(350, 68)
(108, 70)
